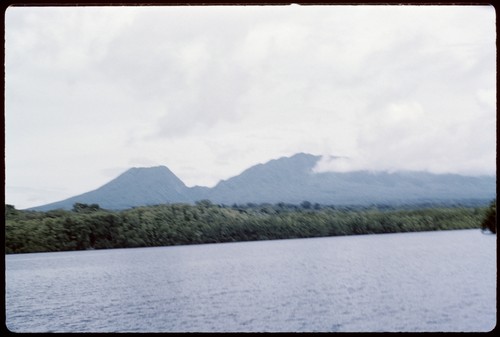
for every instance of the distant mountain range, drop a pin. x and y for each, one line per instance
(289, 180)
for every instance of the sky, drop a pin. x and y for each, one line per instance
(209, 91)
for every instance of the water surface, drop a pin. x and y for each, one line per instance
(428, 281)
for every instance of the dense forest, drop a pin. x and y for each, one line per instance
(87, 226)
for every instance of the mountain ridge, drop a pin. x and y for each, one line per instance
(286, 179)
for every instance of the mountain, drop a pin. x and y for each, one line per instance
(289, 180)
(284, 179)
(135, 187)
(292, 180)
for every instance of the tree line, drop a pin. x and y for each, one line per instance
(87, 226)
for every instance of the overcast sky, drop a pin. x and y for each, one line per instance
(211, 91)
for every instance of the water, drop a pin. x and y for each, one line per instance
(428, 281)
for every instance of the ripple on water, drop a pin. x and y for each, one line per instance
(428, 281)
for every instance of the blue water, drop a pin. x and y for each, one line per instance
(428, 281)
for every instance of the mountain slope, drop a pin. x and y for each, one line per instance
(292, 180)
(135, 187)
(289, 180)
(364, 187)
(282, 179)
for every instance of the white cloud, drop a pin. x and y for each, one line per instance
(487, 97)
(210, 91)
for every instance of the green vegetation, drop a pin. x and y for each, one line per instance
(490, 219)
(91, 227)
